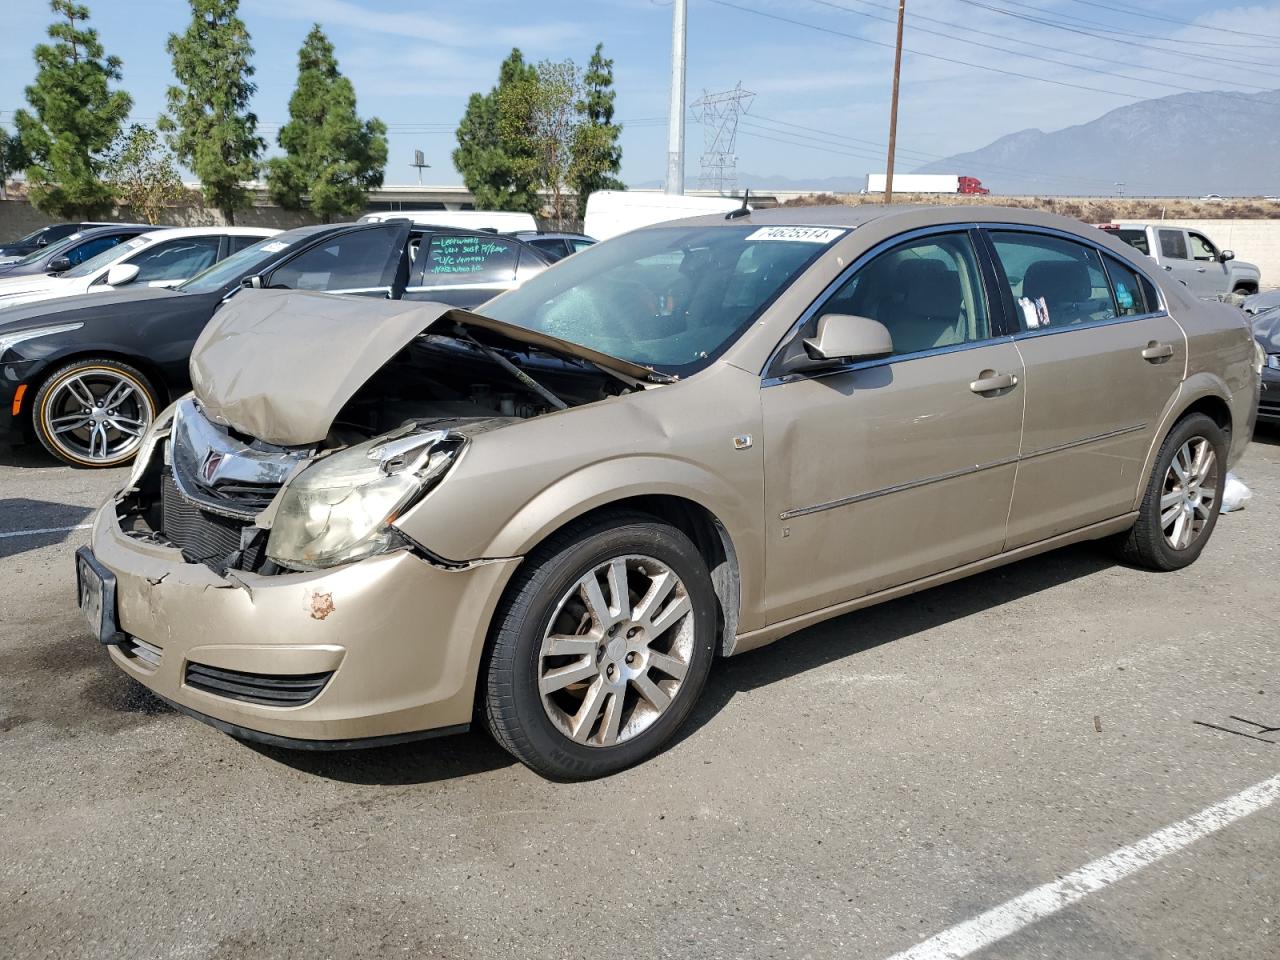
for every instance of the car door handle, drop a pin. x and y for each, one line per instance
(1168, 267)
(989, 382)
(1199, 269)
(1157, 351)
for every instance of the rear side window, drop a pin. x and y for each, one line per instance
(1129, 289)
(1054, 282)
(1136, 239)
(239, 242)
(352, 261)
(555, 249)
(465, 258)
(1173, 244)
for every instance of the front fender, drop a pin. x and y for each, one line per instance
(591, 487)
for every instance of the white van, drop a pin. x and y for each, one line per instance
(611, 212)
(499, 221)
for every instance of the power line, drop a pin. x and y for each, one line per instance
(1018, 53)
(1121, 38)
(1147, 15)
(1054, 18)
(964, 63)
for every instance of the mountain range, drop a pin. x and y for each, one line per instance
(1186, 144)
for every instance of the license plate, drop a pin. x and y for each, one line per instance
(96, 595)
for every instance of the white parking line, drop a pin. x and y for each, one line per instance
(40, 530)
(1013, 915)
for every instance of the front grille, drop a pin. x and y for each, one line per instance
(135, 649)
(206, 537)
(272, 690)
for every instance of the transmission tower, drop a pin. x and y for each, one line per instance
(718, 113)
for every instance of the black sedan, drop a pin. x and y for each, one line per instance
(72, 249)
(85, 376)
(17, 249)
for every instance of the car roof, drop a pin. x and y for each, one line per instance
(171, 233)
(856, 215)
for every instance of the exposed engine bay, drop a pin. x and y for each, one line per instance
(222, 496)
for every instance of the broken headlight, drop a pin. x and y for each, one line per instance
(339, 509)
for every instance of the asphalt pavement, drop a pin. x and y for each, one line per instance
(884, 780)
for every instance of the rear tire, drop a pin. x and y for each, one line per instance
(93, 413)
(1179, 509)
(585, 679)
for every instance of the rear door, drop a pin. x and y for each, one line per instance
(1175, 257)
(464, 269)
(1101, 360)
(368, 260)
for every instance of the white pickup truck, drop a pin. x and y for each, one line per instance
(1191, 257)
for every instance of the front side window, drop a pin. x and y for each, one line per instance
(1173, 244)
(927, 292)
(1201, 248)
(1054, 282)
(176, 259)
(91, 248)
(465, 258)
(106, 257)
(351, 261)
(673, 298)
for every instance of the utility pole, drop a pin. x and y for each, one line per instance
(675, 117)
(893, 107)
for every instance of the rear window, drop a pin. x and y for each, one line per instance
(1136, 239)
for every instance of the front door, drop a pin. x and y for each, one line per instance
(890, 470)
(1211, 273)
(1101, 361)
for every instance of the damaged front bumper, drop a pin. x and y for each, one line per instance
(367, 653)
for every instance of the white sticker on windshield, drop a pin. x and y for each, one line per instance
(275, 246)
(798, 234)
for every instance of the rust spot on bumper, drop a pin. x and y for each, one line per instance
(321, 605)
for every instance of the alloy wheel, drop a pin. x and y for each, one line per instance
(97, 415)
(1190, 493)
(616, 651)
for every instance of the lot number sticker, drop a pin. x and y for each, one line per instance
(797, 234)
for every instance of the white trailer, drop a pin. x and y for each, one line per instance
(915, 183)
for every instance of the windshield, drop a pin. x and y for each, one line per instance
(672, 298)
(243, 262)
(107, 256)
(54, 248)
(31, 237)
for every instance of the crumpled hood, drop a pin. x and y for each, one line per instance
(279, 365)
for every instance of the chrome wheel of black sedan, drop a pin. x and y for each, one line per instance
(93, 413)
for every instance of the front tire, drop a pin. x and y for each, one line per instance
(93, 413)
(1180, 507)
(601, 647)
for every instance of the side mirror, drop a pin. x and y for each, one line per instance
(252, 283)
(121, 273)
(1226, 255)
(844, 338)
(59, 264)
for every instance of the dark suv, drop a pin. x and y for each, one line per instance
(73, 249)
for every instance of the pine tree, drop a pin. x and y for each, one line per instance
(75, 117)
(596, 153)
(13, 157)
(332, 158)
(211, 128)
(494, 155)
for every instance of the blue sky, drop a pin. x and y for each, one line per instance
(821, 103)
